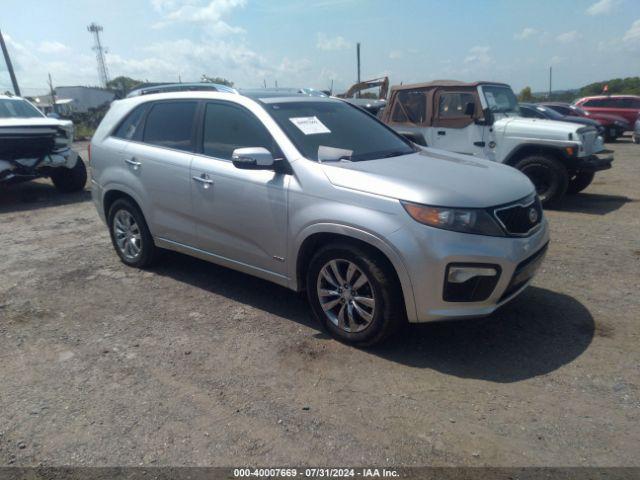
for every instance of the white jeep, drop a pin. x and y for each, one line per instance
(483, 119)
(35, 146)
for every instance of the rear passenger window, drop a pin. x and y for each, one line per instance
(227, 127)
(131, 124)
(170, 124)
(411, 107)
(595, 103)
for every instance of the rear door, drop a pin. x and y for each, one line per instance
(454, 128)
(159, 164)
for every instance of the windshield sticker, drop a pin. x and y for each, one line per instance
(310, 125)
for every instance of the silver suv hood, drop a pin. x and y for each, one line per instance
(433, 177)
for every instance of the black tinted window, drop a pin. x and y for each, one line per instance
(598, 102)
(561, 109)
(130, 126)
(227, 127)
(529, 112)
(170, 125)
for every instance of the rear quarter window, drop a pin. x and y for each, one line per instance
(129, 128)
(170, 125)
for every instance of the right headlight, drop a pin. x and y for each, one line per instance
(465, 220)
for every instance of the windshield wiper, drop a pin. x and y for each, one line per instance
(396, 153)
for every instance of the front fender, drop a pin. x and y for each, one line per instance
(367, 237)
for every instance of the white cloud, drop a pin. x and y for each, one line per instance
(568, 37)
(632, 36)
(525, 33)
(210, 14)
(602, 7)
(331, 43)
(480, 56)
(52, 47)
(396, 54)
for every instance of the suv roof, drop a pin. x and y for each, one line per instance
(628, 95)
(181, 87)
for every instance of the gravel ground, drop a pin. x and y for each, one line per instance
(193, 364)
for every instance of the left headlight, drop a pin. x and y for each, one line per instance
(463, 220)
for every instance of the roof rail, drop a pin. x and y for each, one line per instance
(182, 87)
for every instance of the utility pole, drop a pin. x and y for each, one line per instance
(103, 74)
(53, 96)
(331, 90)
(358, 59)
(7, 60)
(550, 78)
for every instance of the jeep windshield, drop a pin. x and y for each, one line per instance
(18, 108)
(500, 99)
(333, 130)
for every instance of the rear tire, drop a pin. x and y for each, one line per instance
(547, 174)
(130, 235)
(69, 180)
(369, 306)
(579, 182)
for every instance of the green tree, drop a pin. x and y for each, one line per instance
(219, 80)
(123, 85)
(525, 95)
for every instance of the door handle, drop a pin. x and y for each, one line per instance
(204, 179)
(133, 162)
(479, 144)
(441, 132)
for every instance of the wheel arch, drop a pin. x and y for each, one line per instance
(316, 236)
(115, 193)
(529, 149)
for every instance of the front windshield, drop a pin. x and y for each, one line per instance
(579, 111)
(500, 99)
(550, 113)
(17, 108)
(328, 131)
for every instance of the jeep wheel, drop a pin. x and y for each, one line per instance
(70, 180)
(130, 235)
(354, 294)
(580, 181)
(547, 174)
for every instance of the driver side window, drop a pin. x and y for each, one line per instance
(227, 127)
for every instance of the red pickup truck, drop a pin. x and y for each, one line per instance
(626, 106)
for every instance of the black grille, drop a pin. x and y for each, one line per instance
(520, 220)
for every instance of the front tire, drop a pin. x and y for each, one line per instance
(130, 235)
(580, 181)
(355, 294)
(69, 180)
(548, 175)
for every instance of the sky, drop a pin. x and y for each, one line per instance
(311, 43)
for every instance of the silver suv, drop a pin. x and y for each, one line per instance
(315, 194)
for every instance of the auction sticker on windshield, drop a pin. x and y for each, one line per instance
(310, 125)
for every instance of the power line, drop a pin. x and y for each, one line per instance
(103, 73)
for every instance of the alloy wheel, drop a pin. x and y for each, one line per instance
(127, 235)
(346, 295)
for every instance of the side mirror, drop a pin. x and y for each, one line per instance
(488, 118)
(253, 158)
(469, 109)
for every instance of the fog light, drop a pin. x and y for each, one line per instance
(470, 282)
(462, 274)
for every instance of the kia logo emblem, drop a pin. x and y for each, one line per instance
(533, 215)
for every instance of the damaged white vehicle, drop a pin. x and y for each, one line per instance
(35, 146)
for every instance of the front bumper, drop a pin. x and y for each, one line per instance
(429, 255)
(596, 162)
